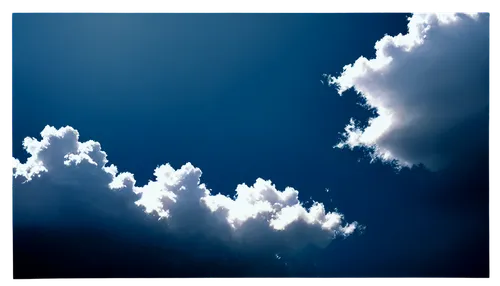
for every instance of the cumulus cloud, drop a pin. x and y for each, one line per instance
(429, 88)
(66, 183)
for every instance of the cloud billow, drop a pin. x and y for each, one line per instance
(429, 88)
(66, 184)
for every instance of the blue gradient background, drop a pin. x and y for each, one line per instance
(239, 96)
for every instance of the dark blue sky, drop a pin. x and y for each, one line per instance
(239, 96)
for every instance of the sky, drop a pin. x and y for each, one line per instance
(402, 188)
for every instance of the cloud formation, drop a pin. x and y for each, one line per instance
(429, 88)
(66, 183)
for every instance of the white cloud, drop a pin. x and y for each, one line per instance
(65, 181)
(429, 88)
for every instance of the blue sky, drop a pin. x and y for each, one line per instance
(243, 96)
